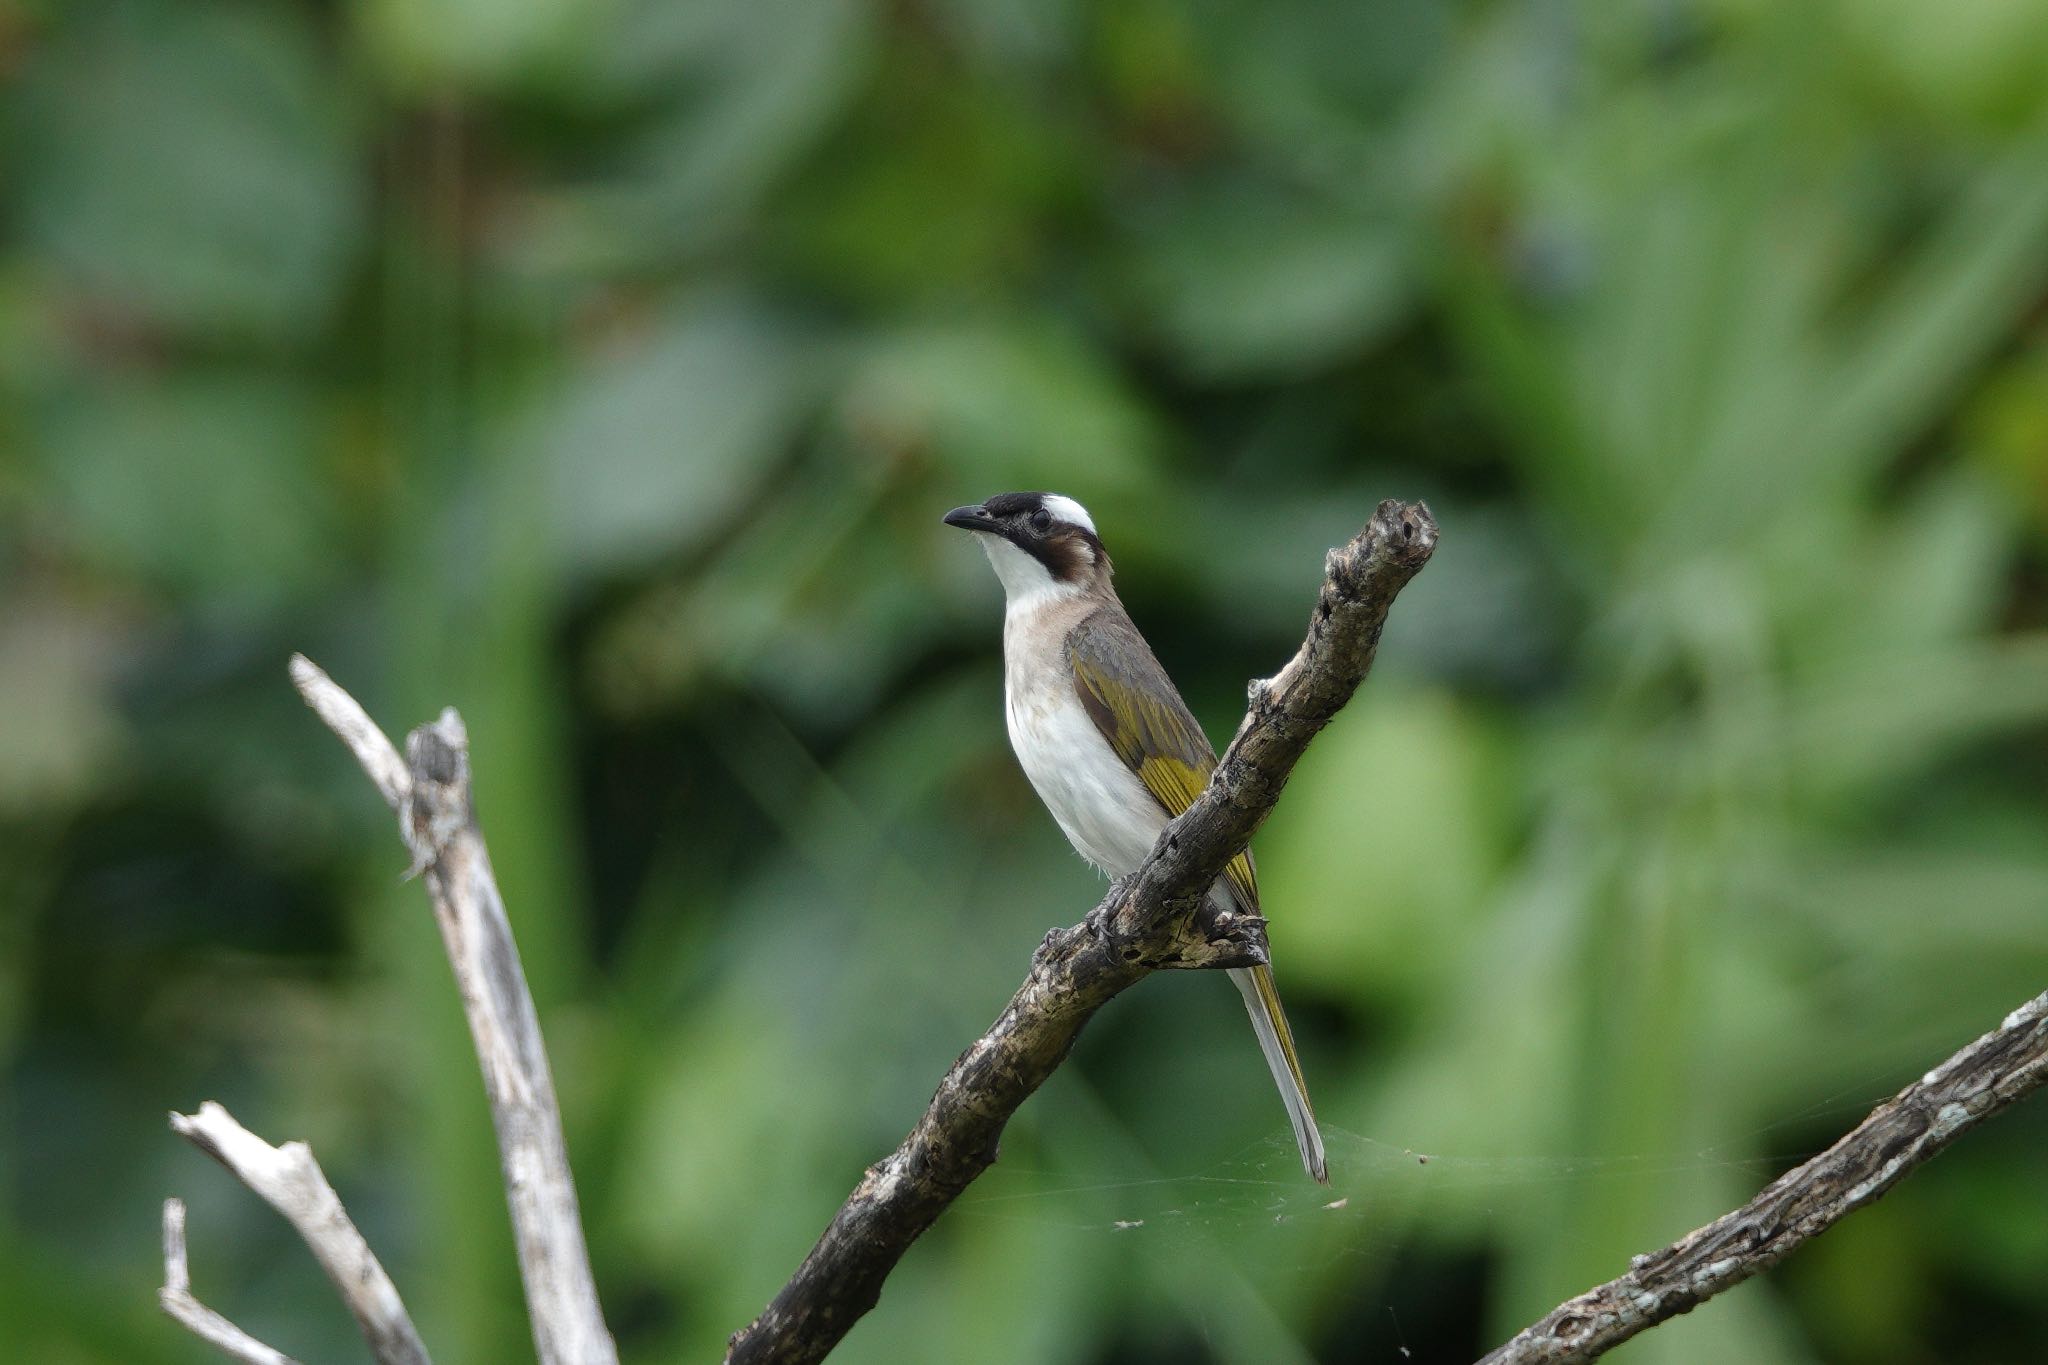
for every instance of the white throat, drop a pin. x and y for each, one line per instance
(1027, 583)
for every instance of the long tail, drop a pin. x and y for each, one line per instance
(1262, 1001)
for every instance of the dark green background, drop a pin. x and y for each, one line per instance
(603, 369)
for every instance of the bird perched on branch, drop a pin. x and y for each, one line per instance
(1104, 736)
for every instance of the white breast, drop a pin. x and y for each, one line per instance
(1101, 806)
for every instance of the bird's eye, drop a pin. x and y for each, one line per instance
(1041, 521)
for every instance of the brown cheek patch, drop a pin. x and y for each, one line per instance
(1069, 556)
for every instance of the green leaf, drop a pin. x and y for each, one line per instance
(1003, 405)
(436, 45)
(1370, 882)
(655, 446)
(1948, 303)
(194, 163)
(736, 94)
(201, 483)
(1244, 282)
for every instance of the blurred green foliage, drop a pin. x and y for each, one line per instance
(603, 370)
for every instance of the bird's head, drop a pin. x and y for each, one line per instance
(1043, 545)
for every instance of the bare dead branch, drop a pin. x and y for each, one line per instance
(1155, 918)
(1989, 1076)
(289, 1180)
(209, 1326)
(352, 726)
(430, 790)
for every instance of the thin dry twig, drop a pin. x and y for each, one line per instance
(352, 725)
(289, 1180)
(1156, 918)
(201, 1321)
(430, 790)
(1989, 1076)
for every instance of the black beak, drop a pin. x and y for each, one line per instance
(971, 519)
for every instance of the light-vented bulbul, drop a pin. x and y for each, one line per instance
(1103, 734)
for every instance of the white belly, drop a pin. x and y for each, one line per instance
(1101, 806)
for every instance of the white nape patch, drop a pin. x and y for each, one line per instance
(1027, 583)
(1066, 509)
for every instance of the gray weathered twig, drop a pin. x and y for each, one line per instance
(1996, 1071)
(209, 1326)
(430, 790)
(289, 1180)
(1152, 919)
(352, 725)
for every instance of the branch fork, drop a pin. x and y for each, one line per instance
(289, 1180)
(429, 789)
